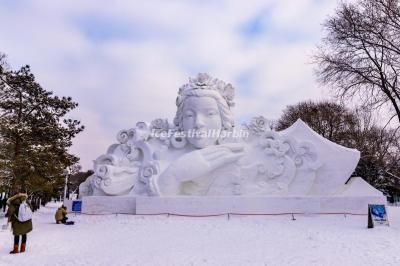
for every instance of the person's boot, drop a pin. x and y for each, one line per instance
(23, 247)
(15, 250)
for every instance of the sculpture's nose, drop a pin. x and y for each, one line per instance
(199, 122)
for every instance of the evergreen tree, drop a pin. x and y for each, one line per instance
(34, 133)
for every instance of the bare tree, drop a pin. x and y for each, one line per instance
(330, 120)
(360, 54)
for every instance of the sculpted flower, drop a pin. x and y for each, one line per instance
(123, 136)
(159, 124)
(141, 132)
(259, 125)
(148, 171)
(159, 129)
(102, 171)
(203, 79)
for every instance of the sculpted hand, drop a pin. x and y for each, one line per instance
(217, 156)
(196, 164)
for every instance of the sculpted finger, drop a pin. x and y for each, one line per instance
(208, 150)
(214, 149)
(235, 147)
(217, 154)
(222, 160)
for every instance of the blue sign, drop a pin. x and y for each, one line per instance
(378, 212)
(76, 206)
(377, 215)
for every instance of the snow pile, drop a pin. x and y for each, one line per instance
(239, 240)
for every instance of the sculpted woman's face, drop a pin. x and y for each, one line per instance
(201, 115)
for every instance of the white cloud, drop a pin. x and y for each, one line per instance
(134, 75)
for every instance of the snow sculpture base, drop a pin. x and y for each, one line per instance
(108, 205)
(255, 205)
(229, 204)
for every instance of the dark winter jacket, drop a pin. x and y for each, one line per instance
(19, 228)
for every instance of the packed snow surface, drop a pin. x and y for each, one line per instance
(239, 240)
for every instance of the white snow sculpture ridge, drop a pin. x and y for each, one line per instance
(203, 154)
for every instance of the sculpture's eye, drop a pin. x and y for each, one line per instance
(189, 114)
(212, 113)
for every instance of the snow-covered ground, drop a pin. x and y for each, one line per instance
(250, 240)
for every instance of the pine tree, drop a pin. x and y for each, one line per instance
(34, 132)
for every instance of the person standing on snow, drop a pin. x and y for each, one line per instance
(19, 228)
(1, 200)
(4, 203)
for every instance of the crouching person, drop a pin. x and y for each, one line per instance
(61, 215)
(20, 215)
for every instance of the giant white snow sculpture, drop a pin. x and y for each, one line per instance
(203, 154)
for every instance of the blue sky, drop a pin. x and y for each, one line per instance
(123, 61)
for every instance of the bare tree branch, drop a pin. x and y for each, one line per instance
(360, 54)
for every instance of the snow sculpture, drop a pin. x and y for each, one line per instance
(203, 154)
